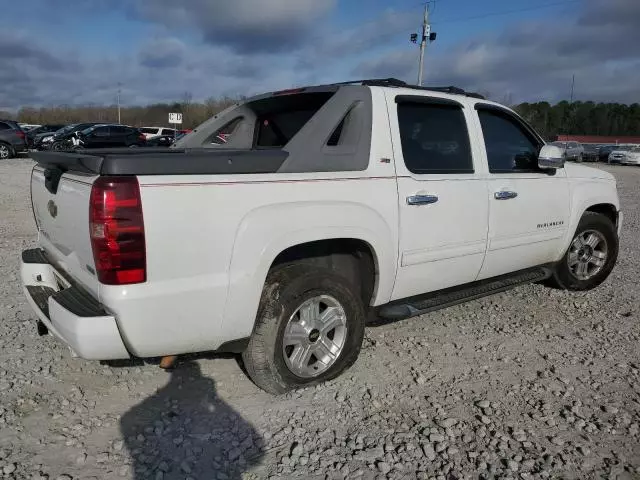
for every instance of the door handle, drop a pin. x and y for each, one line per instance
(504, 195)
(421, 199)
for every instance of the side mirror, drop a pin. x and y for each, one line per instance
(551, 157)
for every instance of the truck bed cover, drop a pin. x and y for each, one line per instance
(163, 161)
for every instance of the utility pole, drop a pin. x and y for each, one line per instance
(118, 101)
(427, 36)
(423, 43)
(573, 84)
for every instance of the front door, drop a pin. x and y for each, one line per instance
(529, 207)
(442, 193)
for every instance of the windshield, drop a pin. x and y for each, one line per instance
(66, 129)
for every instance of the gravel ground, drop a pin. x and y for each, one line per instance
(531, 383)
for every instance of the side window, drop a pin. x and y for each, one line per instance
(434, 138)
(221, 136)
(101, 132)
(4, 126)
(347, 132)
(118, 130)
(510, 148)
(167, 131)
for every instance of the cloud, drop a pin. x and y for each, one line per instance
(162, 53)
(161, 70)
(246, 26)
(536, 60)
(239, 52)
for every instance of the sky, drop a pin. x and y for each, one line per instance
(79, 52)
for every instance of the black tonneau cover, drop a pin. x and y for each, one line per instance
(163, 161)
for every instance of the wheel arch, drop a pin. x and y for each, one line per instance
(609, 210)
(280, 233)
(352, 258)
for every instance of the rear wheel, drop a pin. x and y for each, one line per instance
(591, 256)
(6, 151)
(309, 328)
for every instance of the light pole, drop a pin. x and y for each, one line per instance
(118, 101)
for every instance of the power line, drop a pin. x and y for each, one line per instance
(507, 12)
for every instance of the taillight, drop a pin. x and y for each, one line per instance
(116, 228)
(21, 134)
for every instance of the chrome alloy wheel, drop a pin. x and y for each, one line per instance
(587, 254)
(314, 336)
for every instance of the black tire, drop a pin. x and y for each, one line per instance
(564, 278)
(6, 151)
(286, 288)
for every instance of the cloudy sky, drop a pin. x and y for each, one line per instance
(78, 51)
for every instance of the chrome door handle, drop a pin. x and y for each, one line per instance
(421, 199)
(504, 195)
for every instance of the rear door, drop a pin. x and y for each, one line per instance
(118, 136)
(529, 207)
(443, 203)
(99, 138)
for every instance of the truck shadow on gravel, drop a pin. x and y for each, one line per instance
(186, 431)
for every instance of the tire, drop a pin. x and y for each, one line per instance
(286, 290)
(566, 277)
(6, 151)
(579, 158)
(58, 146)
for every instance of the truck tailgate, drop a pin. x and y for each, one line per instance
(62, 217)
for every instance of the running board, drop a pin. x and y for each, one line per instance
(429, 302)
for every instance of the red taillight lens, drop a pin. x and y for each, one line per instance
(21, 134)
(116, 228)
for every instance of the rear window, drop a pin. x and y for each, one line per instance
(167, 131)
(281, 117)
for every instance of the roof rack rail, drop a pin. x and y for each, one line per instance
(394, 82)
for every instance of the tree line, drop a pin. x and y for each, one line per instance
(582, 118)
(577, 118)
(194, 113)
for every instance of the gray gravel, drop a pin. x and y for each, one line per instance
(531, 383)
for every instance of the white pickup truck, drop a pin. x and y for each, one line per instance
(326, 204)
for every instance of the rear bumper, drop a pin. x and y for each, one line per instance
(70, 314)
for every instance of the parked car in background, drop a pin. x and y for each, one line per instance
(41, 130)
(110, 136)
(590, 152)
(150, 132)
(161, 141)
(573, 150)
(604, 151)
(12, 139)
(43, 141)
(626, 155)
(61, 138)
(26, 127)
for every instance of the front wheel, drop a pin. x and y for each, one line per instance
(6, 152)
(591, 256)
(309, 329)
